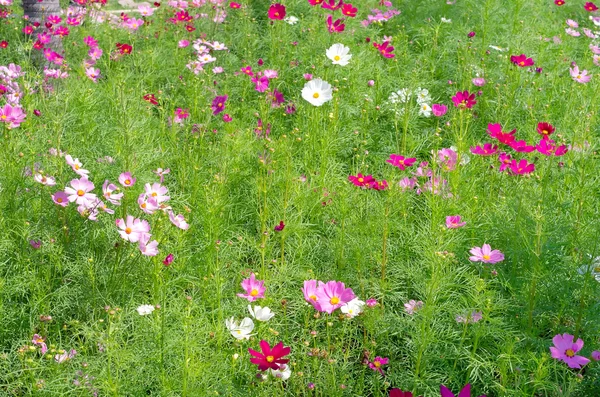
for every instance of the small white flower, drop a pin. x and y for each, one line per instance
(444, 20)
(493, 47)
(242, 330)
(144, 310)
(261, 313)
(353, 308)
(422, 95)
(292, 20)
(424, 109)
(401, 96)
(283, 373)
(317, 92)
(44, 180)
(339, 54)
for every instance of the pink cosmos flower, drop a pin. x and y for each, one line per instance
(76, 166)
(93, 74)
(79, 191)
(157, 191)
(521, 146)
(495, 131)
(361, 180)
(407, 183)
(183, 43)
(247, 70)
(332, 5)
(132, 229)
(126, 179)
(145, 10)
(146, 247)
(217, 69)
(485, 254)
(487, 150)
(161, 173)
(349, 10)
(464, 100)
(310, 293)
(521, 167)
(255, 289)
(400, 161)
(178, 220)
(148, 204)
(261, 83)
(44, 180)
(439, 110)
(276, 11)
(371, 302)
(60, 198)
(333, 295)
(595, 49)
(582, 76)
(13, 115)
(572, 32)
(270, 358)
(95, 53)
(89, 41)
(547, 148)
(571, 23)
(377, 363)
(218, 104)
(133, 24)
(168, 260)
(412, 306)
(448, 159)
(379, 185)
(473, 317)
(564, 349)
(453, 222)
(596, 355)
(337, 26)
(271, 74)
(505, 160)
(108, 190)
(41, 342)
(478, 81)
(61, 358)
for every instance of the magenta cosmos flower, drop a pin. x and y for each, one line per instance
(564, 350)
(400, 161)
(276, 11)
(218, 104)
(377, 363)
(254, 288)
(521, 146)
(60, 198)
(521, 167)
(385, 49)
(453, 222)
(464, 100)
(439, 110)
(548, 148)
(487, 150)
(336, 27)
(126, 179)
(333, 295)
(361, 180)
(521, 60)
(485, 254)
(269, 358)
(310, 292)
(79, 191)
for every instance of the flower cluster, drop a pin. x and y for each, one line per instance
(11, 113)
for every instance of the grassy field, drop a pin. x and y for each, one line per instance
(294, 168)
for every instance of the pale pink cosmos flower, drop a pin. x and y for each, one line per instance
(454, 222)
(333, 295)
(61, 358)
(571, 23)
(99, 204)
(580, 76)
(133, 24)
(589, 33)
(255, 289)
(183, 43)
(132, 229)
(412, 306)
(95, 53)
(79, 191)
(596, 60)
(108, 190)
(572, 32)
(158, 191)
(178, 220)
(44, 180)
(89, 210)
(310, 293)
(595, 49)
(60, 198)
(13, 115)
(147, 203)
(161, 173)
(126, 179)
(217, 70)
(270, 74)
(478, 81)
(146, 247)
(41, 342)
(474, 317)
(565, 350)
(145, 10)
(93, 74)
(485, 254)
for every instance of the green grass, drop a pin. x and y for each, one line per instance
(234, 188)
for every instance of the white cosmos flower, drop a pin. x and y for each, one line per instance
(339, 54)
(353, 308)
(444, 20)
(282, 373)
(593, 268)
(242, 330)
(144, 310)
(292, 20)
(317, 92)
(422, 95)
(424, 109)
(403, 95)
(261, 313)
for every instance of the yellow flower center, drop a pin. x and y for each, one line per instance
(128, 230)
(254, 292)
(127, 182)
(59, 200)
(154, 194)
(335, 300)
(219, 104)
(276, 14)
(313, 298)
(3, 117)
(522, 63)
(76, 166)
(377, 364)
(486, 257)
(270, 359)
(545, 132)
(337, 57)
(143, 205)
(361, 180)
(80, 193)
(316, 95)
(570, 353)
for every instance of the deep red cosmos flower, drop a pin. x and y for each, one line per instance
(462, 100)
(385, 49)
(521, 60)
(277, 11)
(124, 48)
(151, 98)
(349, 10)
(3, 44)
(545, 129)
(591, 7)
(269, 358)
(559, 2)
(361, 180)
